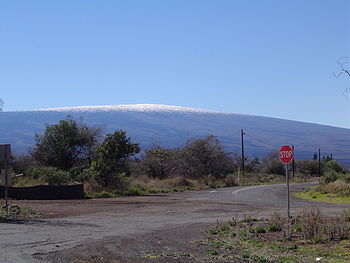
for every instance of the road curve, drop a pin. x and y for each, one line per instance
(126, 217)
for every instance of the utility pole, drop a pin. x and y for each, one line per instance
(319, 162)
(6, 179)
(293, 162)
(242, 146)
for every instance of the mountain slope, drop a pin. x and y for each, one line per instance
(172, 125)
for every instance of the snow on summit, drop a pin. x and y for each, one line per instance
(130, 107)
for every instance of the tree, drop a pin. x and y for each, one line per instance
(272, 165)
(111, 159)
(206, 157)
(159, 162)
(253, 166)
(310, 167)
(65, 145)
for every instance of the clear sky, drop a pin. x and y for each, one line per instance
(267, 58)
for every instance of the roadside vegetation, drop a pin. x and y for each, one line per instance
(334, 186)
(307, 237)
(17, 213)
(70, 152)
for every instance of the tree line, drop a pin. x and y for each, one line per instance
(70, 151)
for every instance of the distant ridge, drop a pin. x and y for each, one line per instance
(171, 126)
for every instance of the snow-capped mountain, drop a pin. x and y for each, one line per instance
(130, 107)
(171, 126)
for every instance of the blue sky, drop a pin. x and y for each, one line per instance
(267, 58)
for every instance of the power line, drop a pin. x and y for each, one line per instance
(262, 142)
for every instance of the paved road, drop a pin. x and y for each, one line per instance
(125, 217)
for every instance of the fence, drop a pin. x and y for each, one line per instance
(44, 192)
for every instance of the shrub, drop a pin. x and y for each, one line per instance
(49, 175)
(331, 176)
(311, 223)
(310, 167)
(335, 228)
(115, 181)
(59, 177)
(334, 166)
(338, 187)
(85, 175)
(275, 222)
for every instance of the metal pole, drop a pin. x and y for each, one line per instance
(288, 201)
(242, 146)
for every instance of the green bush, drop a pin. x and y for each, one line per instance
(82, 175)
(59, 177)
(331, 176)
(115, 181)
(49, 175)
(334, 166)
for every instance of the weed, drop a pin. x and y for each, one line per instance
(311, 223)
(233, 222)
(248, 219)
(258, 258)
(260, 229)
(274, 228)
(17, 213)
(287, 259)
(346, 215)
(275, 222)
(212, 252)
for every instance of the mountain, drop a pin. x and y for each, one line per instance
(171, 126)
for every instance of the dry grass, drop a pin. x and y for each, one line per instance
(304, 238)
(337, 187)
(165, 184)
(181, 182)
(311, 223)
(317, 227)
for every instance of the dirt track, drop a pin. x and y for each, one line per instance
(128, 229)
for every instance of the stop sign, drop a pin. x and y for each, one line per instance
(286, 154)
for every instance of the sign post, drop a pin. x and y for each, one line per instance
(5, 156)
(286, 155)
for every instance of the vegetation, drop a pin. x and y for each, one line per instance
(70, 152)
(308, 237)
(65, 145)
(111, 165)
(17, 213)
(334, 186)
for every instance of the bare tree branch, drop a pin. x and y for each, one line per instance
(1, 105)
(344, 71)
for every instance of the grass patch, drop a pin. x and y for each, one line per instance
(317, 196)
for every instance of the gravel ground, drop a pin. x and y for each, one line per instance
(177, 245)
(155, 228)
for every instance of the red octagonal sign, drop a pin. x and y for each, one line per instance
(286, 154)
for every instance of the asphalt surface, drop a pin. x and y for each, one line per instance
(127, 217)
